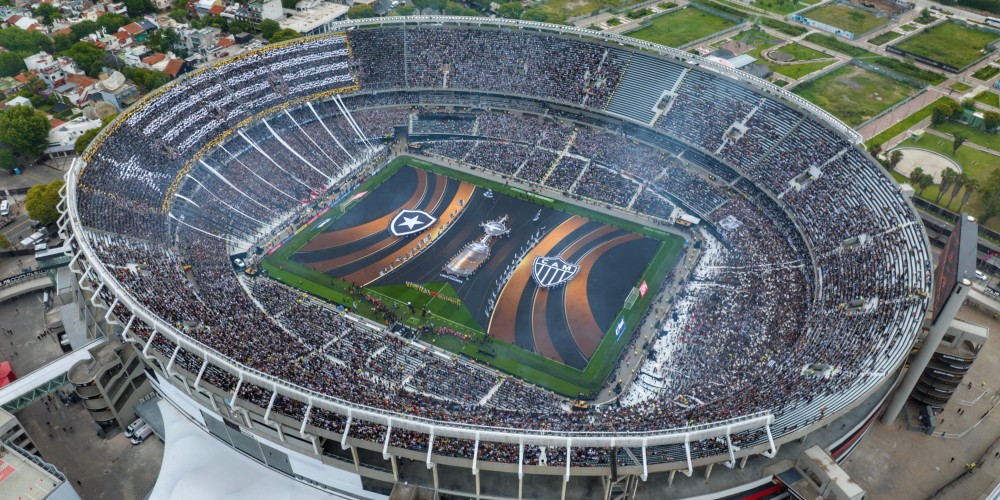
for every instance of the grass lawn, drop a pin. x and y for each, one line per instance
(783, 7)
(986, 72)
(884, 38)
(788, 29)
(797, 71)
(906, 123)
(908, 28)
(833, 43)
(973, 162)
(949, 43)
(680, 27)
(802, 53)
(847, 18)
(974, 134)
(854, 94)
(565, 9)
(530, 366)
(989, 98)
(760, 40)
(960, 87)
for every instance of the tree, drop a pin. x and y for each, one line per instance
(359, 11)
(894, 158)
(915, 175)
(875, 150)
(24, 130)
(405, 10)
(957, 184)
(47, 12)
(284, 35)
(7, 159)
(959, 140)
(940, 114)
(111, 22)
(146, 79)
(41, 201)
(510, 10)
(138, 7)
(11, 64)
(4, 242)
(991, 120)
(971, 185)
(269, 27)
(969, 103)
(61, 43)
(87, 56)
(179, 14)
(29, 42)
(990, 197)
(84, 140)
(947, 178)
(925, 181)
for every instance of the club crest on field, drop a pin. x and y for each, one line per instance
(410, 222)
(552, 271)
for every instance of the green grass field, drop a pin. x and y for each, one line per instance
(960, 87)
(797, 71)
(906, 123)
(833, 43)
(949, 43)
(680, 27)
(847, 18)
(884, 38)
(783, 7)
(989, 98)
(800, 52)
(532, 367)
(986, 73)
(854, 94)
(976, 163)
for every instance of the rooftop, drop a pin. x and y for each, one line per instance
(308, 20)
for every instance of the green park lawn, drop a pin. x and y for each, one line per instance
(783, 7)
(802, 53)
(907, 122)
(884, 38)
(949, 43)
(847, 18)
(680, 27)
(797, 71)
(960, 87)
(976, 163)
(974, 134)
(854, 94)
(989, 98)
(986, 72)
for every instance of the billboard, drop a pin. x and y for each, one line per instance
(957, 262)
(620, 328)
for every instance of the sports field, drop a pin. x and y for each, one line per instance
(949, 43)
(563, 338)
(847, 18)
(680, 27)
(854, 94)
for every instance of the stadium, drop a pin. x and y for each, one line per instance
(239, 229)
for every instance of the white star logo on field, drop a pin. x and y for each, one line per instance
(409, 222)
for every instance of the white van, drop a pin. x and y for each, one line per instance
(134, 426)
(141, 434)
(4, 207)
(981, 275)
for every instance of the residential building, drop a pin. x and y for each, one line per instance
(62, 138)
(50, 69)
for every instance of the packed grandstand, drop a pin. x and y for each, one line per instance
(810, 288)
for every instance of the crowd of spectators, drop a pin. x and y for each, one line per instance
(829, 274)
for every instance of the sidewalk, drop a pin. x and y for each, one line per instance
(894, 463)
